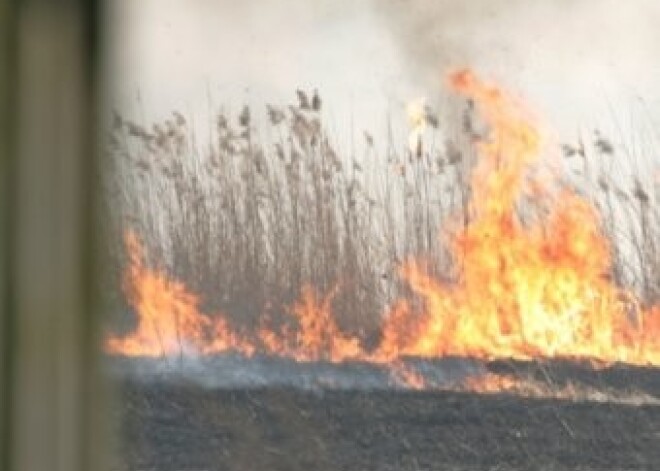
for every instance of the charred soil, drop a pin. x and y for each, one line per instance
(179, 426)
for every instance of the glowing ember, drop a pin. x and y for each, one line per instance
(405, 376)
(490, 383)
(528, 284)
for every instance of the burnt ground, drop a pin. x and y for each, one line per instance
(182, 425)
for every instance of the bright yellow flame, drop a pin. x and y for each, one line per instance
(538, 288)
(416, 111)
(527, 287)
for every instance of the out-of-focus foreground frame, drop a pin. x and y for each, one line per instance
(49, 382)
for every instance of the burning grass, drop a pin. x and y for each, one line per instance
(289, 250)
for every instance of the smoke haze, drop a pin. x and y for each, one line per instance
(577, 62)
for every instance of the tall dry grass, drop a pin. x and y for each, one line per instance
(249, 217)
(624, 184)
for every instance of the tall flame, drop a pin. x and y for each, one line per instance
(528, 283)
(525, 288)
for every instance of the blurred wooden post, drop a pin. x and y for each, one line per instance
(6, 149)
(48, 360)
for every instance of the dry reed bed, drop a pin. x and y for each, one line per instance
(249, 217)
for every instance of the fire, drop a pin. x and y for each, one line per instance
(526, 287)
(490, 383)
(318, 337)
(407, 377)
(169, 321)
(529, 283)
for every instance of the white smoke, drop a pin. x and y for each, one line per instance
(581, 63)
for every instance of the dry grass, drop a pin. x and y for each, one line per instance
(249, 217)
(628, 199)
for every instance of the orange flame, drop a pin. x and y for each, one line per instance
(525, 288)
(169, 321)
(490, 383)
(318, 337)
(527, 285)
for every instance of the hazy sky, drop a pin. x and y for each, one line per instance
(580, 63)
